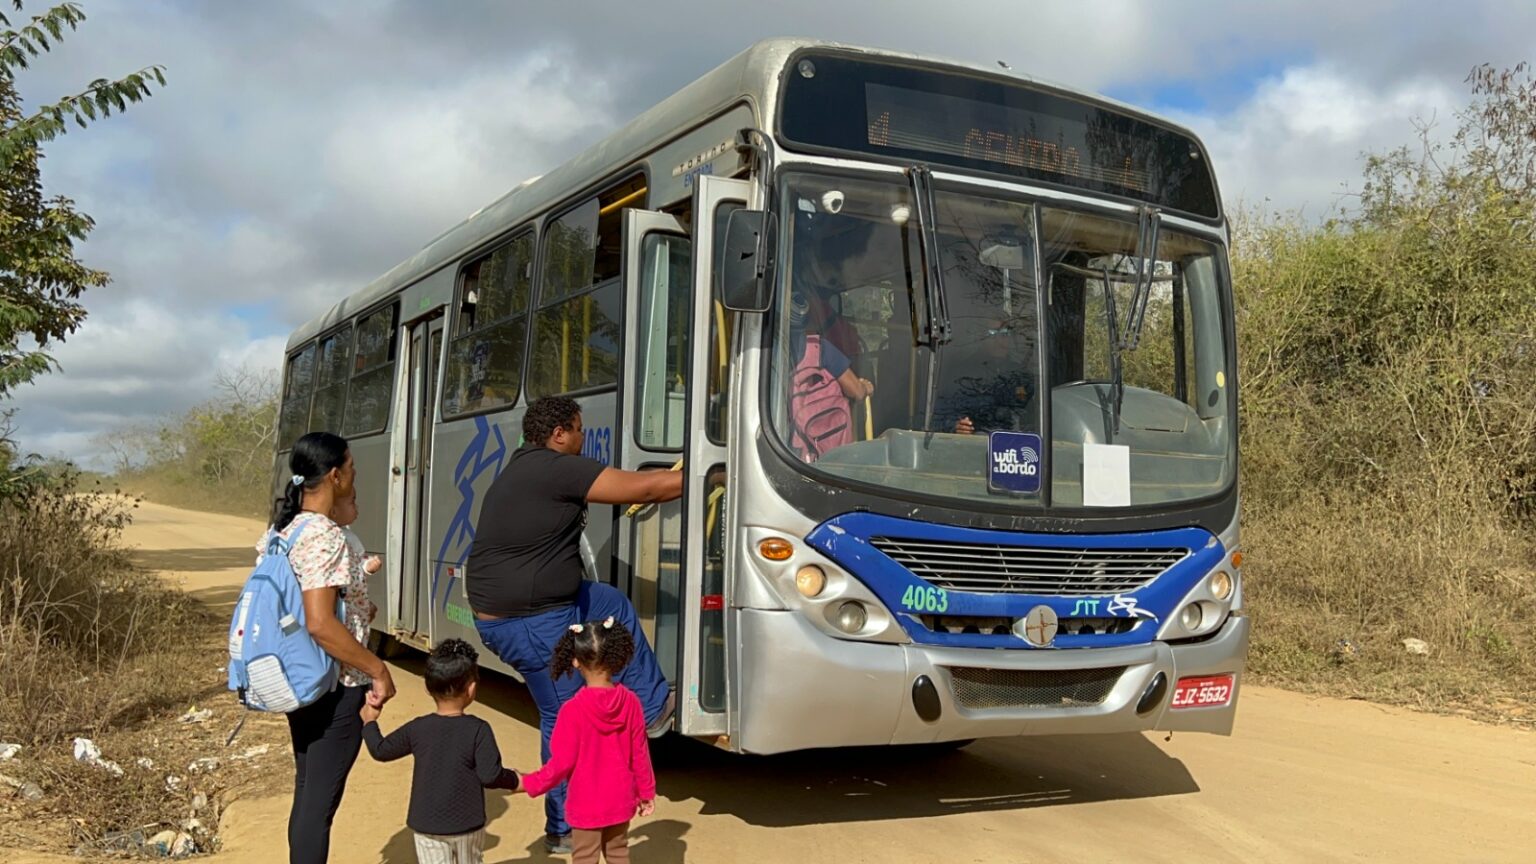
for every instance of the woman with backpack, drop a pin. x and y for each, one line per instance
(328, 732)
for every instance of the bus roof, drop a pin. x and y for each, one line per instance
(750, 77)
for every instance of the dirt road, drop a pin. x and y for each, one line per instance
(1303, 779)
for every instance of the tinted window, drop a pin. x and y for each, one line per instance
(485, 360)
(576, 329)
(333, 367)
(373, 374)
(298, 384)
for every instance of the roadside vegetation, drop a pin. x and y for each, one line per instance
(1389, 422)
(217, 457)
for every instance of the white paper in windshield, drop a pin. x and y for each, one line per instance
(1106, 475)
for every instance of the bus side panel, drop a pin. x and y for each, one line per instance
(467, 455)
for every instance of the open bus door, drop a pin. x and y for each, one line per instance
(673, 409)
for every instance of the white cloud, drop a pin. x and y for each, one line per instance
(1298, 142)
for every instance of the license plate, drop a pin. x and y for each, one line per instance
(1210, 692)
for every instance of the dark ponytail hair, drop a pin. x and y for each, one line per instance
(314, 456)
(605, 645)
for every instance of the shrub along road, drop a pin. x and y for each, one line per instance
(1303, 778)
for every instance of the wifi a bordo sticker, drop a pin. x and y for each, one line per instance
(1013, 462)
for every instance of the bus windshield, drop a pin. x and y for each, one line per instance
(1038, 300)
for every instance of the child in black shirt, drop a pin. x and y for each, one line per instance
(456, 759)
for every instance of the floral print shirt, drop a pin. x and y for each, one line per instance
(330, 556)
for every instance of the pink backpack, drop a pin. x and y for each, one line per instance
(818, 410)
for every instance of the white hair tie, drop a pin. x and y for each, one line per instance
(577, 628)
(298, 479)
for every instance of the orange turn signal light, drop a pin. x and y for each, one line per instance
(775, 549)
(1237, 559)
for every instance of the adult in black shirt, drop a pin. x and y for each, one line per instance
(524, 576)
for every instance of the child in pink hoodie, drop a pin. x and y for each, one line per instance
(599, 744)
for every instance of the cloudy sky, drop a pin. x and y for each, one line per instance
(296, 154)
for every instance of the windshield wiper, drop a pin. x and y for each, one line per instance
(1148, 227)
(932, 328)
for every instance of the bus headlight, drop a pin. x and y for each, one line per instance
(1221, 585)
(810, 580)
(851, 617)
(1191, 617)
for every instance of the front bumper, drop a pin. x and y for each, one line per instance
(800, 688)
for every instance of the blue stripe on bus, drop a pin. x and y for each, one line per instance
(845, 540)
(485, 452)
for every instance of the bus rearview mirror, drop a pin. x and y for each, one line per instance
(743, 284)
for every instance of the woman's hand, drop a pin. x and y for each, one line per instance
(383, 688)
(370, 713)
(646, 808)
(372, 563)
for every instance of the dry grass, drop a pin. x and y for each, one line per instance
(1336, 583)
(92, 647)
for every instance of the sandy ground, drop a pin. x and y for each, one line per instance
(1303, 779)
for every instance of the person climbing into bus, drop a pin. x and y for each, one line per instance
(823, 387)
(524, 576)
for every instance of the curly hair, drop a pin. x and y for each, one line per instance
(545, 415)
(605, 645)
(451, 668)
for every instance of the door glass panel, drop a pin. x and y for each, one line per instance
(665, 291)
(719, 339)
(657, 582)
(712, 607)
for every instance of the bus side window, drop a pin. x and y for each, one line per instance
(485, 358)
(373, 373)
(331, 381)
(576, 336)
(298, 385)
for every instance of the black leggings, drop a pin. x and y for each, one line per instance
(326, 735)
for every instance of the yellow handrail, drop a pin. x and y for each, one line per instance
(721, 343)
(636, 508)
(586, 340)
(712, 509)
(869, 421)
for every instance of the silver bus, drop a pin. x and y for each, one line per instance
(1020, 518)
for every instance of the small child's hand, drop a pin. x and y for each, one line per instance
(372, 563)
(646, 808)
(370, 713)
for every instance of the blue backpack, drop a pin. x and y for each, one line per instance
(274, 664)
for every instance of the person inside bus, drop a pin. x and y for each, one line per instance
(524, 577)
(984, 380)
(823, 386)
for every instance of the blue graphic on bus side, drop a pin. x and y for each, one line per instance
(1013, 462)
(487, 451)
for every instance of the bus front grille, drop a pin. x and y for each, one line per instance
(993, 568)
(980, 688)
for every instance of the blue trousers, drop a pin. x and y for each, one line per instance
(528, 643)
